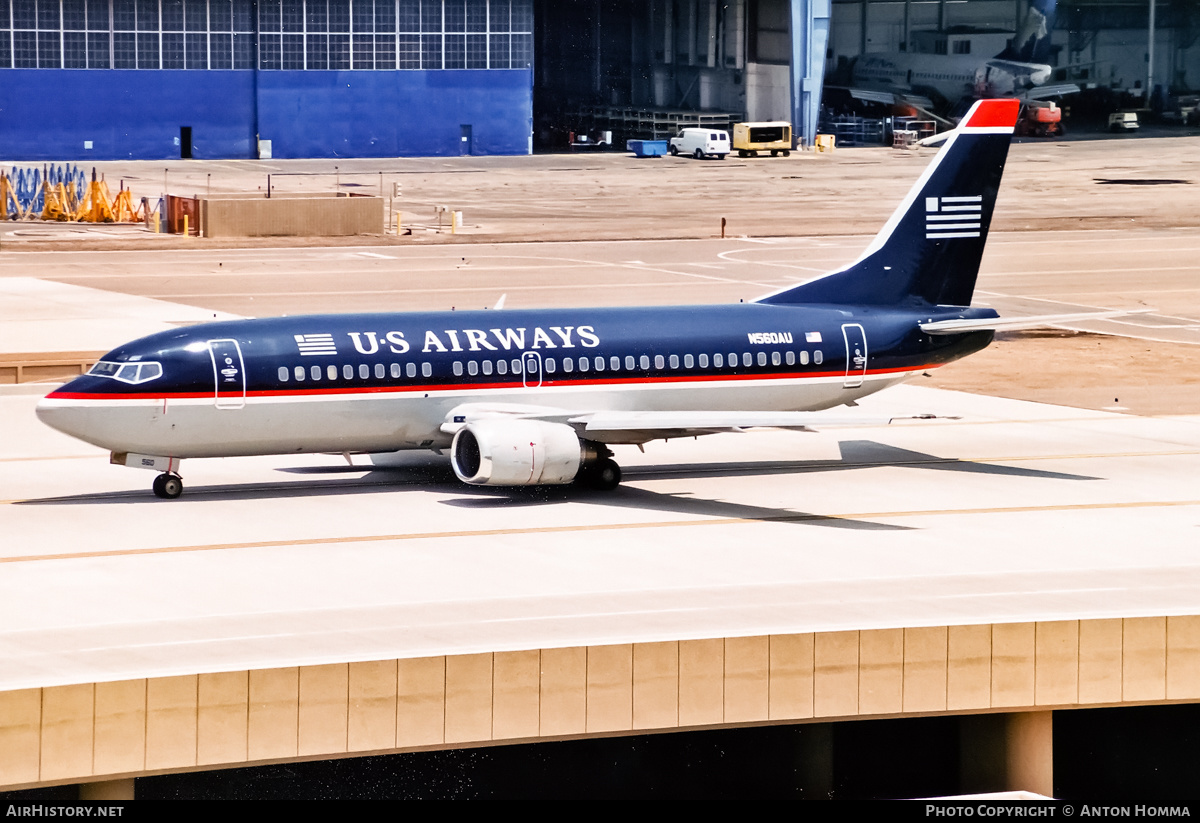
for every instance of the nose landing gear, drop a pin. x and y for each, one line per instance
(168, 486)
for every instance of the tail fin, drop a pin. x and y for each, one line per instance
(1032, 41)
(929, 251)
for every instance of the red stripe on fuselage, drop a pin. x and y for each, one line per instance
(459, 387)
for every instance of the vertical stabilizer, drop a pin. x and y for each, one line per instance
(1032, 41)
(929, 251)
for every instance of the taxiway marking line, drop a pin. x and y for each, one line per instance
(721, 521)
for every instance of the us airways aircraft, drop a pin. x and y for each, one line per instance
(537, 397)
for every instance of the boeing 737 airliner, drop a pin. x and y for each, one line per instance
(537, 397)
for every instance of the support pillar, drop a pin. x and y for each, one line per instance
(103, 790)
(1030, 752)
(810, 36)
(1007, 752)
(814, 761)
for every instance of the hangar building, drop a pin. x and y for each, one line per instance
(169, 79)
(151, 79)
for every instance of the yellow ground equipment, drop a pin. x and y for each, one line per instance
(751, 138)
(60, 193)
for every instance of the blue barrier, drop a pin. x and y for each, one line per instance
(27, 181)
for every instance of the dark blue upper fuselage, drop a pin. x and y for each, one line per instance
(317, 353)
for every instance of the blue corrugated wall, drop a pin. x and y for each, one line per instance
(48, 114)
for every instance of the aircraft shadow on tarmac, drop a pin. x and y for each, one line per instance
(427, 472)
(856, 454)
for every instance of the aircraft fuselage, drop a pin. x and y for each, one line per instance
(386, 382)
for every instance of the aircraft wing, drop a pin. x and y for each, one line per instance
(889, 98)
(1046, 92)
(1015, 323)
(642, 426)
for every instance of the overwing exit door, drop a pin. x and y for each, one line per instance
(531, 363)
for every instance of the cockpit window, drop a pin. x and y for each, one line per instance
(133, 373)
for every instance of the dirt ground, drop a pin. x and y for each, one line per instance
(1091, 371)
(1118, 184)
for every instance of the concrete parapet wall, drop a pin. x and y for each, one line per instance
(29, 368)
(310, 215)
(101, 731)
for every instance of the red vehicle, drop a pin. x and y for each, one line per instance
(1040, 118)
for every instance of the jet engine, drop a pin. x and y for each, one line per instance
(513, 452)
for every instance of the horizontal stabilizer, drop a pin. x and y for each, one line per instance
(1016, 323)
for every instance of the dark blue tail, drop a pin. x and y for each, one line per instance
(929, 251)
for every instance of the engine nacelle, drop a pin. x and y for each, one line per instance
(507, 452)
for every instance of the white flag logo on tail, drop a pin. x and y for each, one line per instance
(947, 217)
(315, 344)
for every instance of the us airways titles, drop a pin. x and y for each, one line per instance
(455, 340)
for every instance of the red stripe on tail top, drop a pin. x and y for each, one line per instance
(991, 114)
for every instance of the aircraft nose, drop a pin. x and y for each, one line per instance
(52, 410)
(59, 412)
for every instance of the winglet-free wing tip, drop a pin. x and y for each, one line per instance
(991, 114)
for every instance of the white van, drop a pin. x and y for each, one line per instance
(1123, 121)
(701, 143)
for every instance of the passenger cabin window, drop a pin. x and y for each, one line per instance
(487, 366)
(411, 369)
(284, 374)
(299, 372)
(426, 370)
(348, 372)
(364, 371)
(395, 370)
(331, 372)
(379, 371)
(315, 371)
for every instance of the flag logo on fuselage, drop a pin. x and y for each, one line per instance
(315, 344)
(947, 217)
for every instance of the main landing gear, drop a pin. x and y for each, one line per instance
(602, 473)
(168, 486)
